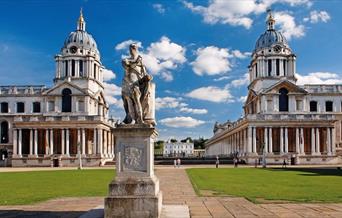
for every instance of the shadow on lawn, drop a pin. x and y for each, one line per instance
(39, 214)
(312, 171)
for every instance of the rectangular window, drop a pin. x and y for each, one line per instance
(313, 106)
(256, 70)
(81, 106)
(20, 107)
(278, 67)
(299, 105)
(73, 68)
(36, 107)
(284, 66)
(51, 106)
(4, 107)
(329, 106)
(269, 67)
(81, 67)
(66, 69)
(95, 76)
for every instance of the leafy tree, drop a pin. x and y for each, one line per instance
(173, 140)
(186, 139)
(159, 144)
(200, 143)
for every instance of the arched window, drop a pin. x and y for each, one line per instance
(4, 132)
(66, 100)
(283, 100)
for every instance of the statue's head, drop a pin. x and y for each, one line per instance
(133, 49)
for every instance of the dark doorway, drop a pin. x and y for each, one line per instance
(66, 100)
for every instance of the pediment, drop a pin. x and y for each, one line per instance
(291, 87)
(57, 90)
(251, 95)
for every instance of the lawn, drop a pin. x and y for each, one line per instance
(258, 185)
(31, 187)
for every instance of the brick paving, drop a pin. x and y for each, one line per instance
(177, 189)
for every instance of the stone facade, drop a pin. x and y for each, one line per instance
(301, 124)
(43, 126)
(178, 149)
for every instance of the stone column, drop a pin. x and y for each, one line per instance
(31, 142)
(63, 142)
(328, 141)
(20, 143)
(266, 140)
(47, 142)
(100, 141)
(95, 142)
(313, 146)
(302, 150)
(270, 141)
(281, 140)
(67, 142)
(83, 142)
(15, 142)
(318, 152)
(35, 142)
(51, 141)
(333, 138)
(286, 140)
(297, 141)
(254, 140)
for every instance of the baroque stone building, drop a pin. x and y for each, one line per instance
(286, 121)
(43, 126)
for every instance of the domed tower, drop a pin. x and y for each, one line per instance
(272, 58)
(79, 61)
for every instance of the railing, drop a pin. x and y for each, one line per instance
(283, 117)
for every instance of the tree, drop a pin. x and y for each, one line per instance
(159, 144)
(200, 143)
(173, 140)
(186, 139)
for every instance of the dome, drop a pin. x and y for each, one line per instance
(269, 38)
(80, 39)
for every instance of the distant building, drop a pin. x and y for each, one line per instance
(178, 149)
(281, 119)
(43, 126)
(199, 152)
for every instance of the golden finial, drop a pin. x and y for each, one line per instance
(81, 19)
(81, 23)
(270, 20)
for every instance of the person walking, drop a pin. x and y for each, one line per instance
(284, 163)
(178, 162)
(174, 163)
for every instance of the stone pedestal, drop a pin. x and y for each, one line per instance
(135, 190)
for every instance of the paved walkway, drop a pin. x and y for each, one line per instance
(177, 189)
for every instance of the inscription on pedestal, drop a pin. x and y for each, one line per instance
(133, 157)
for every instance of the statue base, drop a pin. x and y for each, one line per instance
(135, 190)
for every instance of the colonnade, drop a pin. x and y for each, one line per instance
(102, 142)
(281, 140)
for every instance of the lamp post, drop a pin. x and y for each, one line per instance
(263, 156)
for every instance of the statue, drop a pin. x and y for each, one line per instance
(137, 90)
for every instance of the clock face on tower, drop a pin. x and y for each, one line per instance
(277, 48)
(73, 49)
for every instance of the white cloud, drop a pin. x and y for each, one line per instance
(236, 13)
(318, 16)
(241, 55)
(125, 44)
(194, 111)
(221, 78)
(243, 81)
(242, 99)
(288, 25)
(211, 61)
(159, 7)
(186, 122)
(166, 76)
(211, 93)
(108, 74)
(111, 92)
(169, 102)
(319, 78)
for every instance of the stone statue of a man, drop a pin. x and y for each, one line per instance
(137, 90)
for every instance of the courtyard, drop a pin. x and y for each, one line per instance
(232, 192)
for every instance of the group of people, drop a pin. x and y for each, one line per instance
(176, 163)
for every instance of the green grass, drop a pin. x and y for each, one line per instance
(258, 185)
(31, 187)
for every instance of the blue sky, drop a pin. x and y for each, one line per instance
(197, 51)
